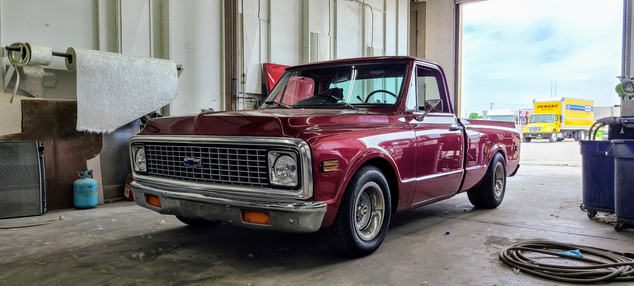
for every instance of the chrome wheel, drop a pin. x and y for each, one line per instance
(364, 214)
(499, 180)
(369, 211)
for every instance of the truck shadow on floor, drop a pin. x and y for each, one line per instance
(181, 254)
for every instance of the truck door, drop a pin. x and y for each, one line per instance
(439, 141)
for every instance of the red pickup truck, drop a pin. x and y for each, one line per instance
(338, 146)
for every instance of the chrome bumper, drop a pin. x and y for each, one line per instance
(285, 215)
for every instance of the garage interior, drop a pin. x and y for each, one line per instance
(218, 49)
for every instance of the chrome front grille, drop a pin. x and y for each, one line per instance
(208, 163)
(534, 129)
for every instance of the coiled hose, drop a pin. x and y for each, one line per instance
(604, 266)
(19, 58)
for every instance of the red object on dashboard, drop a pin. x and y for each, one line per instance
(298, 88)
(272, 73)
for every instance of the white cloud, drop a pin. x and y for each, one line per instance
(513, 50)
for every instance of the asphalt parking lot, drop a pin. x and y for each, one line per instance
(445, 243)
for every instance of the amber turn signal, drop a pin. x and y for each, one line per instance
(329, 166)
(255, 217)
(153, 200)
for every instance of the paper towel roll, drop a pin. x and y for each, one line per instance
(40, 55)
(114, 89)
(31, 58)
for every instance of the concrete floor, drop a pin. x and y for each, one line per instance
(122, 244)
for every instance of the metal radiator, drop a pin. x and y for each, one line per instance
(22, 179)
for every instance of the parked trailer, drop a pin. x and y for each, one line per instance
(518, 116)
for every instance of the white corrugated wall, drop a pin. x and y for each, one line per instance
(192, 34)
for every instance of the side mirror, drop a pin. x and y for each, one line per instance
(433, 105)
(430, 105)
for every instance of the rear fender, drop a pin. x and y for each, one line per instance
(495, 148)
(491, 151)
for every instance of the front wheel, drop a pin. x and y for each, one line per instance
(527, 139)
(553, 137)
(490, 193)
(363, 215)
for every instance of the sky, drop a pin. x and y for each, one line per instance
(517, 50)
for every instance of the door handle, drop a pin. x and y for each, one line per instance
(455, 127)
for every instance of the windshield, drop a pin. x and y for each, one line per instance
(507, 118)
(339, 86)
(541, 118)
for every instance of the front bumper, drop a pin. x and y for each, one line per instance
(284, 214)
(536, 135)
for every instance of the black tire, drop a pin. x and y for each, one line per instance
(491, 191)
(580, 135)
(619, 226)
(591, 214)
(527, 140)
(553, 137)
(363, 216)
(197, 222)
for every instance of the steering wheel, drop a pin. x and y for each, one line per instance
(379, 90)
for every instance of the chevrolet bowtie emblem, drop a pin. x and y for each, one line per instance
(192, 162)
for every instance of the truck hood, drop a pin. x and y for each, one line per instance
(269, 122)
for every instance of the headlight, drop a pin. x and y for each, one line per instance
(283, 170)
(139, 159)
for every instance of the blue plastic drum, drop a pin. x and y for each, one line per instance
(623, 152)
(597, 176)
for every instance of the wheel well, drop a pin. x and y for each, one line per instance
(489, 166)
(387, 170)
(503, 156)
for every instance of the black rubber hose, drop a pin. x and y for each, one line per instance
(603, 122)
(594, 135)
(610, 265)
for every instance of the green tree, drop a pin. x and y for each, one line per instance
(474, 115)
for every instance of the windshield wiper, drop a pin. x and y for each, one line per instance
(342, 101)
(279, 104)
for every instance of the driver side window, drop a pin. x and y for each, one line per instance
(427, 87)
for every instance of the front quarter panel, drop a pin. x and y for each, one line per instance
(354, 147)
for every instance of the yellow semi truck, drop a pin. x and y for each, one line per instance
(556, 119)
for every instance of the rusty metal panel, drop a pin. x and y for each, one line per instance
(66, 150)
